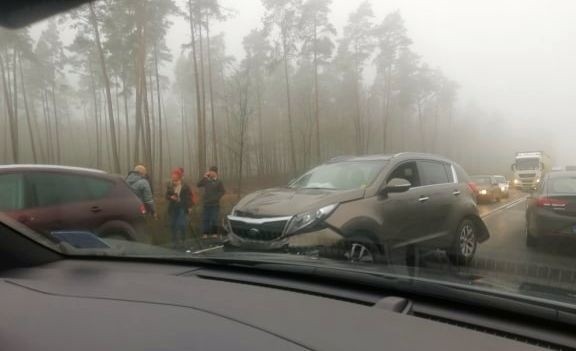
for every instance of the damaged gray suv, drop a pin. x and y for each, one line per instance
(366, 207)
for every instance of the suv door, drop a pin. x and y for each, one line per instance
(438, 180)
(60, 202)
(403, 213)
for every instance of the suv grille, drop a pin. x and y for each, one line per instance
(529, 175)
(261, 232)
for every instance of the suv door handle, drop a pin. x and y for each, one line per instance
(456, 192)
(95, 209)
(423, 198)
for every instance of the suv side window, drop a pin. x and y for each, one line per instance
(408, 171)
(52, 189)
(433, 172)
(11, 192)
(98, 188)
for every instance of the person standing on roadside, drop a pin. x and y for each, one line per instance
(179, 198)
(213, 192)
(139, 183)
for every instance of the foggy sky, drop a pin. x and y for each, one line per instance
(514, 58)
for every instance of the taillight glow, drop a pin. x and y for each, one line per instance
(142, 209)
(550, 202)
(473, 187)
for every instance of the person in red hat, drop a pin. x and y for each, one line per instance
(179, 196)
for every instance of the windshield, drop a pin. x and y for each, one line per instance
(332, 132)
(480, 180)
(527, 164)
(342, 175)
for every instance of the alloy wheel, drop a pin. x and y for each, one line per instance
(359, 253)
(467, 240)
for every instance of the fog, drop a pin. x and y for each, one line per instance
(514, 58)
(478, 82)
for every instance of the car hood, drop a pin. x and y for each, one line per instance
(291, 201)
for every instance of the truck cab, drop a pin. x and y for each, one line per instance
(528, 168)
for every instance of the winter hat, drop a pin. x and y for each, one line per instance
(179, 172)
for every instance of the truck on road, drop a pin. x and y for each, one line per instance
(528, 168)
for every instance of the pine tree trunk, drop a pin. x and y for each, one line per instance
(316, 94)
(202, 67)
(28, 117)
(109, 103)
(289, 106)
(160, 139)
(126, 121)
(200, 132)
(9, 107)
(14, 124)
(211, 93)
(56, 123)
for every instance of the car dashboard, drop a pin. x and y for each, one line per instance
(101, 304)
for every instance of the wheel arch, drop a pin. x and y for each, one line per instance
(119, 226)
(483, 232)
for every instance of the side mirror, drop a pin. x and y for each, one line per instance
(396, 185)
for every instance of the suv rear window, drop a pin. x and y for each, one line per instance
(432, 172)
(11, 192)
(562, 185)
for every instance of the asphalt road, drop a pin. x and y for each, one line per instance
(507, 242)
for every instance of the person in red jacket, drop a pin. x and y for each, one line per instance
(179, 196)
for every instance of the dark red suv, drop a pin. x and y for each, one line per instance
(55, 198)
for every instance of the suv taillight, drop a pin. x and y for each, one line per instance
(473, 187)
(550, 202)
(142, 209)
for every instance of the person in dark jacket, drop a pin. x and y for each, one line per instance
(213, 192)
(139, 183)
(179, 196)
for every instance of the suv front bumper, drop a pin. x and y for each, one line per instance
(302, 241)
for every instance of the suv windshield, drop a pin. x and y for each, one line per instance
(341, 175)
(335, 133)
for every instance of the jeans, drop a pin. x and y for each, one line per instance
(178, 224)
(210, 216)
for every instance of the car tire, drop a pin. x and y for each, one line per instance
(465, 243)
(361, 249)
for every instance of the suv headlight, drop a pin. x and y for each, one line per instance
(308, 218)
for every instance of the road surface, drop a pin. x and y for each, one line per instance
(505, 255)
